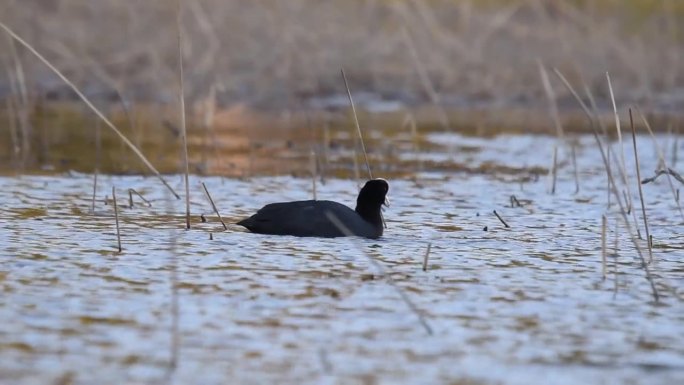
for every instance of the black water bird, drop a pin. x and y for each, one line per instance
(313, 218)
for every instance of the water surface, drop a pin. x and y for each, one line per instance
(519, 305)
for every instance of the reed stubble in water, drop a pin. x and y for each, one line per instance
(641, 193)
(174, 336)
(427, 255)
(633, 238)
(604, 223)
(669, 171)
(116, 219)
(662, 161)
(98, 151)
(501, 219)
(214, 206)
(554, 169)
(615, 260)
(130, 197)
(574, 166)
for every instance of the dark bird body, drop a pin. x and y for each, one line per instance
(312, 218)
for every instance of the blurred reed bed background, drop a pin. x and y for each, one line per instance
(256, 67)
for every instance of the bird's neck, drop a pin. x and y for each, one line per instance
(370, 213)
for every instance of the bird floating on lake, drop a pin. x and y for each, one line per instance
(329, 219)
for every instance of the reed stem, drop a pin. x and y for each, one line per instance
(358, 126)
(116, 219)
(427, 255)
(641, 193)
(214, 206)
(98, 151)
(644, 265)
(312, 166)
(181, 100)
(501, 219)
(603, 245)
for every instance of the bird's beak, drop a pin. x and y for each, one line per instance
(387, 201)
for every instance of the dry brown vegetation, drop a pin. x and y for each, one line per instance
(277, 54)
(254, 66)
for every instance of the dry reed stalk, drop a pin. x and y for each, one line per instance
(658, 173)
(574, 166)
(98, 152)
(615, 259)
(175, 312)
(641, 193)
(551, 96)
(116, 218)
(214, 206)
(13, 113)
(670, 136)
(410, 121)
(622, 163)
(675, 147)
(181, 100)
(604, 129)
(90, 105)
(414, 309)
(501, 219)
(553, 170)
(358, 127)
(208, 114)
(174, 337)
(427, 255)
(14, 134)
(314, 174)
(326, 146)
(427, 83)
(132, 191)
(635, 242)
(608, 193)
(22, 103)
(19, 77)
(592, 121)
(661, 159)
(604, 223)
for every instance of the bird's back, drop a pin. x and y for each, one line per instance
(308, 219)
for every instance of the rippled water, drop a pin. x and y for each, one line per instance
(519, 305)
